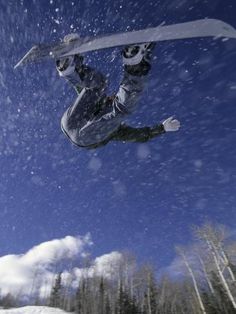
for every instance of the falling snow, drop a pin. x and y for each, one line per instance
(143, 197)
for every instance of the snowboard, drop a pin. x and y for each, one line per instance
(199, 28)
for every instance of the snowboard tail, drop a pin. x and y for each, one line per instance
(194, 29)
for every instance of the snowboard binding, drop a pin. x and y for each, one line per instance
(137, 58)
(68, 65)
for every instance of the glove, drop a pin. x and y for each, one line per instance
(171, 125)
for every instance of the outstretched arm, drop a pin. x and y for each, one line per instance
(127, 133)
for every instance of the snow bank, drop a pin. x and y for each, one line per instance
(33, 310)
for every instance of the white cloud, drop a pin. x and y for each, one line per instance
(35, 271)
(176, 268)
(107, 264)
(55, 250)
(18, 272)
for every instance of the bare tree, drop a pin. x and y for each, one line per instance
(181, 252)
(176, 297)
(204, 263)
(214, 240)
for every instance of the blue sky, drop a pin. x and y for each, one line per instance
(128, 196)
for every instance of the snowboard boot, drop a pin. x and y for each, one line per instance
(68, 65)
(137, 58)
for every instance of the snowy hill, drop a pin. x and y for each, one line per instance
(33, 310)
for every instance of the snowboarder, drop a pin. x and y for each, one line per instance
(95, 118)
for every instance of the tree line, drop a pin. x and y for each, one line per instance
(207, 284)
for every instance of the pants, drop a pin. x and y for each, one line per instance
(83, 123)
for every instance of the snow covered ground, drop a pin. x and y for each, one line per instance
(33, 310)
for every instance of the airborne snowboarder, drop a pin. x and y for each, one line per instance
(95, 118)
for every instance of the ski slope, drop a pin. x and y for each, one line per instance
(33, 310)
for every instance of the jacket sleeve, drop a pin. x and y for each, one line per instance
(127, 133)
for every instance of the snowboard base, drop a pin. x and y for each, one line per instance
(199, 28)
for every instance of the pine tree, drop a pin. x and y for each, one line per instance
(103, 299)
(56, 293)
(82, 301)
(101, 296)
(125, 304)
(222, 302)
(8, 301)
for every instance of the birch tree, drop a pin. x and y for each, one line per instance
(214, 241)
(181, 252)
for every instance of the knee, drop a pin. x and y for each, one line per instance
(66, 125)
(64, 121)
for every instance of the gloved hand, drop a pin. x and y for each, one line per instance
(171, 125)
